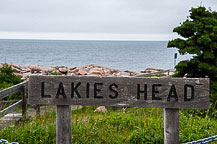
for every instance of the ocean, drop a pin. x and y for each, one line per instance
(122, 55)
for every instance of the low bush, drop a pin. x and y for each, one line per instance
(8, 79)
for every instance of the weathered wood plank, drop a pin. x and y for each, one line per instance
(64, 125)
(10, 108)
(171, 126)
(24, 101)
(11, 90)
(37, 108)
(120, 91)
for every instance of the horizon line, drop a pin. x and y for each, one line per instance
(76, 40)
(85, 36)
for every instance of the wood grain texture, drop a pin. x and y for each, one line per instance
(11, 90)
(64, 125)
(102, 91)
(171, 126)
(24, 101)
(38, 110)
(10, 108)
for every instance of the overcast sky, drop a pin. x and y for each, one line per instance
(94, 19)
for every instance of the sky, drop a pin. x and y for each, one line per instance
(95, 19)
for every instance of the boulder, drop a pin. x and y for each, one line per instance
(34, 68)
(101, 109)
(47, 69)
(123, 74)
(72, 68)
(131, 73)
(151, 70)
(50, 69)
(96, 71)
(57, 67)
(82, 72)
(63, 70)
(25, 70)
(71, 74)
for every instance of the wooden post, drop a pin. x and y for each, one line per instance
(24, 102)
(63, 125)
(171, 126)
(37, 108)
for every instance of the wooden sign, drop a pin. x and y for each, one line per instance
(169, 93)
(189, 93)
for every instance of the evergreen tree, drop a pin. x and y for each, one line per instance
(199, 34)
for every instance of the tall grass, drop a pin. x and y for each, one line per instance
(131, 125)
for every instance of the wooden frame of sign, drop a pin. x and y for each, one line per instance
(169, 93)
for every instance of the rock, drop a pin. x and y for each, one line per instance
(72, 68)
(151, 70)
(131, 73)
(96, 71)
(90, 70)
(57, 72)
(47, 69)
(101, 109)
(113, 71)
(50, 69)
(82, 72)
(34, 68)
(26, 75)
(57, 67)
(44, 73)
(71, 74)
(26, 70)
(63, 70)
(123, 74)
(17, 68)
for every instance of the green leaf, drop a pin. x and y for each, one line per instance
(208, 55)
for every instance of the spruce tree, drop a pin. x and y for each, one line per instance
(199, 37)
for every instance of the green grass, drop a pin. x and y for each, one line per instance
(133, 125)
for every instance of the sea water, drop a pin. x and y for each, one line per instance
(123, 55)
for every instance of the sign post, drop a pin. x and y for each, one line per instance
(169, 93)
(171, 126)
(64, 124)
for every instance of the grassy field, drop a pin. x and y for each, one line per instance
(131, 125)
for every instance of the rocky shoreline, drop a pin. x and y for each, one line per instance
(90, 70)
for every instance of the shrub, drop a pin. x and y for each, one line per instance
(8, 79)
